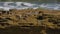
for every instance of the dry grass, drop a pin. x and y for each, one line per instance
(39, 20)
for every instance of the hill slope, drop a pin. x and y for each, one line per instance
(30, 21)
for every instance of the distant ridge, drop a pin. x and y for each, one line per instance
(17, 5)
(6, 6)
